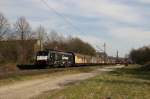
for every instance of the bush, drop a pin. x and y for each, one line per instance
(141, 55)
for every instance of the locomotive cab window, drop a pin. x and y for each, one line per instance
(42, 53)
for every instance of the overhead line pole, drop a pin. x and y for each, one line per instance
(105, 48)
(105, 54)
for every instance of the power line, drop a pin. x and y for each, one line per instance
(66, 19)
(62, 16)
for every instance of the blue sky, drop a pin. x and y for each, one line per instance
(122, 24)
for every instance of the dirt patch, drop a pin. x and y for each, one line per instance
(32, 88)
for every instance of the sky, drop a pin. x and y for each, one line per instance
(122, 24)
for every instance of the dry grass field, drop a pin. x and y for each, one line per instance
(37, 74)
(128, 83)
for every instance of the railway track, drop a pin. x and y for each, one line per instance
(29, 72)
(26, 72)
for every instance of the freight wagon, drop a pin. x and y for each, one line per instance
(55, 58)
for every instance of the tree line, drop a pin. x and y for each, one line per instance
(141, 55)
(22, 30)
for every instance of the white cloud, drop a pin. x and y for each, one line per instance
(144, 1)
(114, 18)
(110, 9)
(92, 39)
(130, 33)
(43, 4)
(105, 8)
(96, 8)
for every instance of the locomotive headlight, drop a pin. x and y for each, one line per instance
(42, 57)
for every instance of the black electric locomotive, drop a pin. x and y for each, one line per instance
(53, 58)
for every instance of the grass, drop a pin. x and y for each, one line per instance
(24, 77)
(128, 83)
(8, 66)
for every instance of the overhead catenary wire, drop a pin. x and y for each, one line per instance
(62, 16)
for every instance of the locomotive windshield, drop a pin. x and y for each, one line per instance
(42, 53)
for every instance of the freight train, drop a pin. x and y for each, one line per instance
(55, 58)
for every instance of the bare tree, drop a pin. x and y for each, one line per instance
(41, 33)
(55, 36)
(23, 31)
(23, 28)
(4, 26)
